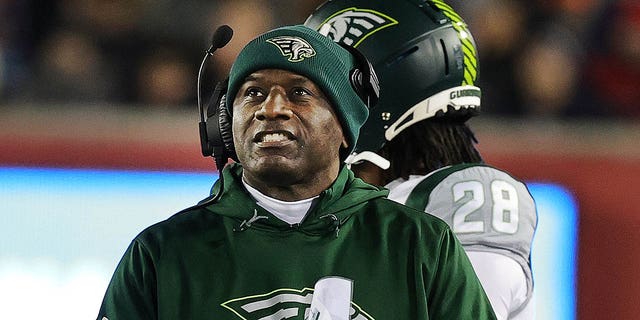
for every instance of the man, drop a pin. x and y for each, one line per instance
(427, 65)
(293, 234)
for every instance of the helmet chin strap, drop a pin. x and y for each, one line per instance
(372, 157)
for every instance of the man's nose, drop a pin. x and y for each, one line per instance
(275, 106)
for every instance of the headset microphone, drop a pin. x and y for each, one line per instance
(220, 38)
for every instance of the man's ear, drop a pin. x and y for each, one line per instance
(345, 144)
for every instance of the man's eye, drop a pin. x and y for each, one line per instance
(301, 92)
(254, 92)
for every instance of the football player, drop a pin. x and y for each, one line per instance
(417, 143)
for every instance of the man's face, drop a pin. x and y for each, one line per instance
(285, 130)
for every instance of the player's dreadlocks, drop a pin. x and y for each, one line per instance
(429, 145)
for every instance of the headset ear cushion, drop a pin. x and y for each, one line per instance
(226, 132)
(363, 78)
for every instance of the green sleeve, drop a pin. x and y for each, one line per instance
(132, 291)
(457, 292)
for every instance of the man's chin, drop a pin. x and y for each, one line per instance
(274, 167)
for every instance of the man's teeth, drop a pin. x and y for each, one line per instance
(273, 137)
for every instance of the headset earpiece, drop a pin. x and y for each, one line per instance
(363, 78)
(226, 133)
(217, 138)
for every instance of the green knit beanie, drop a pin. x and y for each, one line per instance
(306, 52)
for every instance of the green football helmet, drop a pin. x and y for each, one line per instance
(424, 56)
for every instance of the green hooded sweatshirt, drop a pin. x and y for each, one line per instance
(231, 259)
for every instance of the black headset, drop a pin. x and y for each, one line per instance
(216, 137)
(363, 78)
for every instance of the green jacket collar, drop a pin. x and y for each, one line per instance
(346, 196)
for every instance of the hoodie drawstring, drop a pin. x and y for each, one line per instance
(335, 221)
(246, 224)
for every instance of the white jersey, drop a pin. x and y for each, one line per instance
(492, 214)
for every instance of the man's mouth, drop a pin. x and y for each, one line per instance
(273, 137)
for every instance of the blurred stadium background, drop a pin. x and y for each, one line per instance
(95, 93)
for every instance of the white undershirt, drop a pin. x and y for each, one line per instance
(507, 291)
(290, 212)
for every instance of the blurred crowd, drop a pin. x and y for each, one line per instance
(557, 58)
(542, 58)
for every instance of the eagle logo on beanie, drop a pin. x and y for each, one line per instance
(352, 25)
(295, 48)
